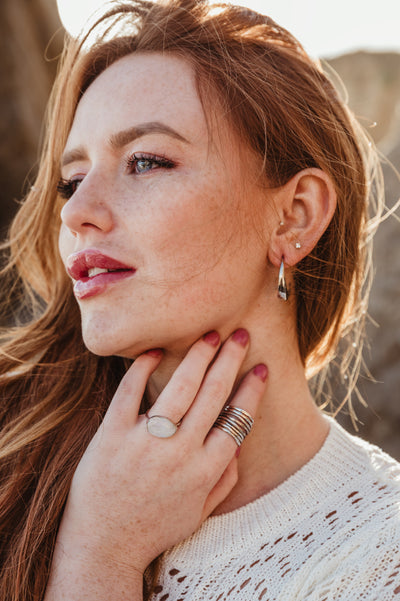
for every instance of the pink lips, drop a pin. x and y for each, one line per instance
(79, 264)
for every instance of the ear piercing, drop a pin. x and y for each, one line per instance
(297, 244)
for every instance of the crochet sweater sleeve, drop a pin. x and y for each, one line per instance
(331, 532)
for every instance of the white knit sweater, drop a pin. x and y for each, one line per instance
(330, 532)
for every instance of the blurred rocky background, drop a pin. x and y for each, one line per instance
(31, 38)
(30, 42)
(372, 81)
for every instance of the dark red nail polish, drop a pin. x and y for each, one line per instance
(261, 371)
(212, 338)
(241, 336)
(154, 352)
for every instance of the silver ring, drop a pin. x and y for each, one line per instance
(161, 426)
(236, 422)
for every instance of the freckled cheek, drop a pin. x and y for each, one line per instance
(193, 231)
(203, 293)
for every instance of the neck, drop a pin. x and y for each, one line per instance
(288, 430)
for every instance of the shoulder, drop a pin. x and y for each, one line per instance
(367, 481)
(360, 550)
(368, 462)
(361, 456)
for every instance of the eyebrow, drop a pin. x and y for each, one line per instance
(124, 137)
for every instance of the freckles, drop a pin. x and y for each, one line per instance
(201, 289)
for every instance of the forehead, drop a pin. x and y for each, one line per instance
(141, 88)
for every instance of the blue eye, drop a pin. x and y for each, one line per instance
(143, 163)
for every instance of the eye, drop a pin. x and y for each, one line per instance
(142, 163)
(67, 187)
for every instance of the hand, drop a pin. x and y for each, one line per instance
(134, 495)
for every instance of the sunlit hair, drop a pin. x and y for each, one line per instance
(54, 391)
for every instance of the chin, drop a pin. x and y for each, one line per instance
(103, 349)
(104, 343)
(99, 347)
(104, 338)
(101, 343)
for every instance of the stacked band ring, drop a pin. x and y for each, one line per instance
(236, 422)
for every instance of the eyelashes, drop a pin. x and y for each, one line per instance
(66, 187)
(137, 164)
(143, 163)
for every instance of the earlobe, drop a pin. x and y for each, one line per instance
(306, 205)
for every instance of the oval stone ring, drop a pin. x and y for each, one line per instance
(161, 426)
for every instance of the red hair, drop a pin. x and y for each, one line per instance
(54, 391)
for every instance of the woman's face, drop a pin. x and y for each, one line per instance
(176, 208)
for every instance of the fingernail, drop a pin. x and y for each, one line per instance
(212, 338)
(154, 352)
(241, 336)
(237, 452)
(261, 371)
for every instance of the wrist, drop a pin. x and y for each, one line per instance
(82, 575)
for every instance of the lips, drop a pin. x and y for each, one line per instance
(94, 271)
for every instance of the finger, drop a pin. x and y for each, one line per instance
(218, 384)
(247, 397)
(125, 404)
(178, 395)
(222, 488)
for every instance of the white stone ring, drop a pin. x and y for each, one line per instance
(161, 426)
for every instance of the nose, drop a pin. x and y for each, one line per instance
(87, 210)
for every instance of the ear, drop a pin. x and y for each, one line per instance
(305, 205)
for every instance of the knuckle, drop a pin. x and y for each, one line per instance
(124, 388)
(217, 389)
(183, 386)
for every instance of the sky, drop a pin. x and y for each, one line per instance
(325, 29)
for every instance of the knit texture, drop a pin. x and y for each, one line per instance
(330, 532)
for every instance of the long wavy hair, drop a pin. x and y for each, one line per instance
(54, 392)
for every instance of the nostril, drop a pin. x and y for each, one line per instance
(84, 211)
(87, 224)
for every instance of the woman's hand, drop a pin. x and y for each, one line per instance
(134, 495)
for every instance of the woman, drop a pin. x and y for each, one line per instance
(209, 195)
